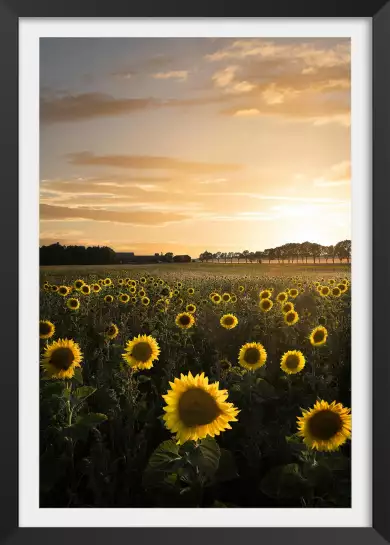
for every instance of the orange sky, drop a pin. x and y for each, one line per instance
(156, 145)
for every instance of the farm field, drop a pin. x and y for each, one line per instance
(203, 385)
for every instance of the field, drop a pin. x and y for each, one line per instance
(104, 439)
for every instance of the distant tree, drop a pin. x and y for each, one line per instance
(169, 257)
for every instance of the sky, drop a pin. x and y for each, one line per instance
(184, 145)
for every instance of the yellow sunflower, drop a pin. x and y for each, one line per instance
(60, 358)
(326, 426)
(63, 290)
(185, 320)
(145, 301)
(190, 291)
(226, 297)
(132, 290)
(120, 282)
(107, 281)
(336, 292)
(124, 298)
(331, 281)
(233, 298)
(292, 362)
(293, 293)
(191, 308)
(229, 321)
(108, 298)
(78, 283)
(265, 294)
(291, 318)
(282, 297)
(85, 289)
(318, 336)
(142, 280)
(241, 289)
(73, 303)
(141, 352)
(196, 409)
(324, 291)
(111, 332)
(252, 356)
(287, 307)
(266, 304)
(142, 292)
(96, 288)
(216, 298)
(46, 329)
(342, 287)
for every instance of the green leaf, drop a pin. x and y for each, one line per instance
(53, 388)
(227, 469)
(284, 482)
(206, 456)
(143, 378)
(90, 420)
(84, 391)
(78, 375)
(165, 457)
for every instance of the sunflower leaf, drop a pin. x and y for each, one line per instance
(83, 392)
(284, 482)
(78, 375)
(206, 456)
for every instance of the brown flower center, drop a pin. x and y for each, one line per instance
(229, 320)
(318, 336)
(62, 358)
(185, 320)
(44, 328)
(197, 408)
(142, 352)
(266, 304)
(292, 361)
(252, 355)
(324, 425)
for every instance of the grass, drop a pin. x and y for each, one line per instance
(103, 440)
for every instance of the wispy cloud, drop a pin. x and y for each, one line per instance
(338, 175)
(181, 75)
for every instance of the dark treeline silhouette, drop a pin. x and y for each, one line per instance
(290, 253)
(56, 254)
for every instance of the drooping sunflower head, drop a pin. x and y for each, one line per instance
(228, 321)
(196, 409)
(141, 352)
(73, 303)
(216, 298)
(293, 292)
(60, 359)
(145, 301)
(291, 318)
(324, 291)
(185, 320)
(325, 427)
(265, 294)
(287, 307)
(336, 292)
(78, 283)
(46, 329)
(266, 304)
(123, 298)
(63, 290)
(282, 297)
(96, 288)
(111, 331)
(85, 289)
(108, 298)
(190, 291)
(252, 356)
(318, 336)
(191, 308)
(292, 362)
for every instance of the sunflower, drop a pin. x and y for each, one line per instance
(191, 308)
(266, 304)
(326, 426)
(133, 300)
(124, 298)
(287, 307)
(233, 298)
(179, 284)
(331, 281)
(241, 289)
(228, 321)
(293, 293)
(317, 284)
(282, 297)
(318, 336)
(324, 291)
(142, 280)
(61, 358)
(342, 287)
(336, 292)
(100, 282)
(132, 283)
(54, 288)
(142, 292)
(291, 318)
(196, 409)
(108, 298)
(132, 289)
(226, 297)
(63, 290)
(252, 356)
(216, 298)
(141, 352)
(85, 289)
(73, 303)
(145, 301)
(107, 281)
(96, 288)
(265, 294)
(111, 331)
(78, 283)
(292, 362)
(46, 329)
(185, 320)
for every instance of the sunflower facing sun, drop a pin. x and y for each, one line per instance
(318, 336)
(252, 356)
(266, 304)
(185, 320)
(326, 426)
(46, 329)
(111, 332)
(141, 352)
(292, 362)
(196, 409)
(60, 359)
(228, 321)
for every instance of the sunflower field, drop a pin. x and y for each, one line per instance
(180, 388)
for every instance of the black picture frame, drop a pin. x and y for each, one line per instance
(10, 12)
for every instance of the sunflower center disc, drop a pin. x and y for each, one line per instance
(197, 408)
(324, 425)
(62, 358)
(292, 361)
(290, 317)
(44, 329)
(142, 352)
(266, 304)
(229, 321)
(185, 320)
(318, 336)
(252, 355)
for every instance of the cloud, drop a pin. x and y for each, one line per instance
(181, 75)
(338, 175)
(148, 162)
(60, 213)
(213, 181)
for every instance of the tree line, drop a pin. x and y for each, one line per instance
(56, 254)
(290, 253)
